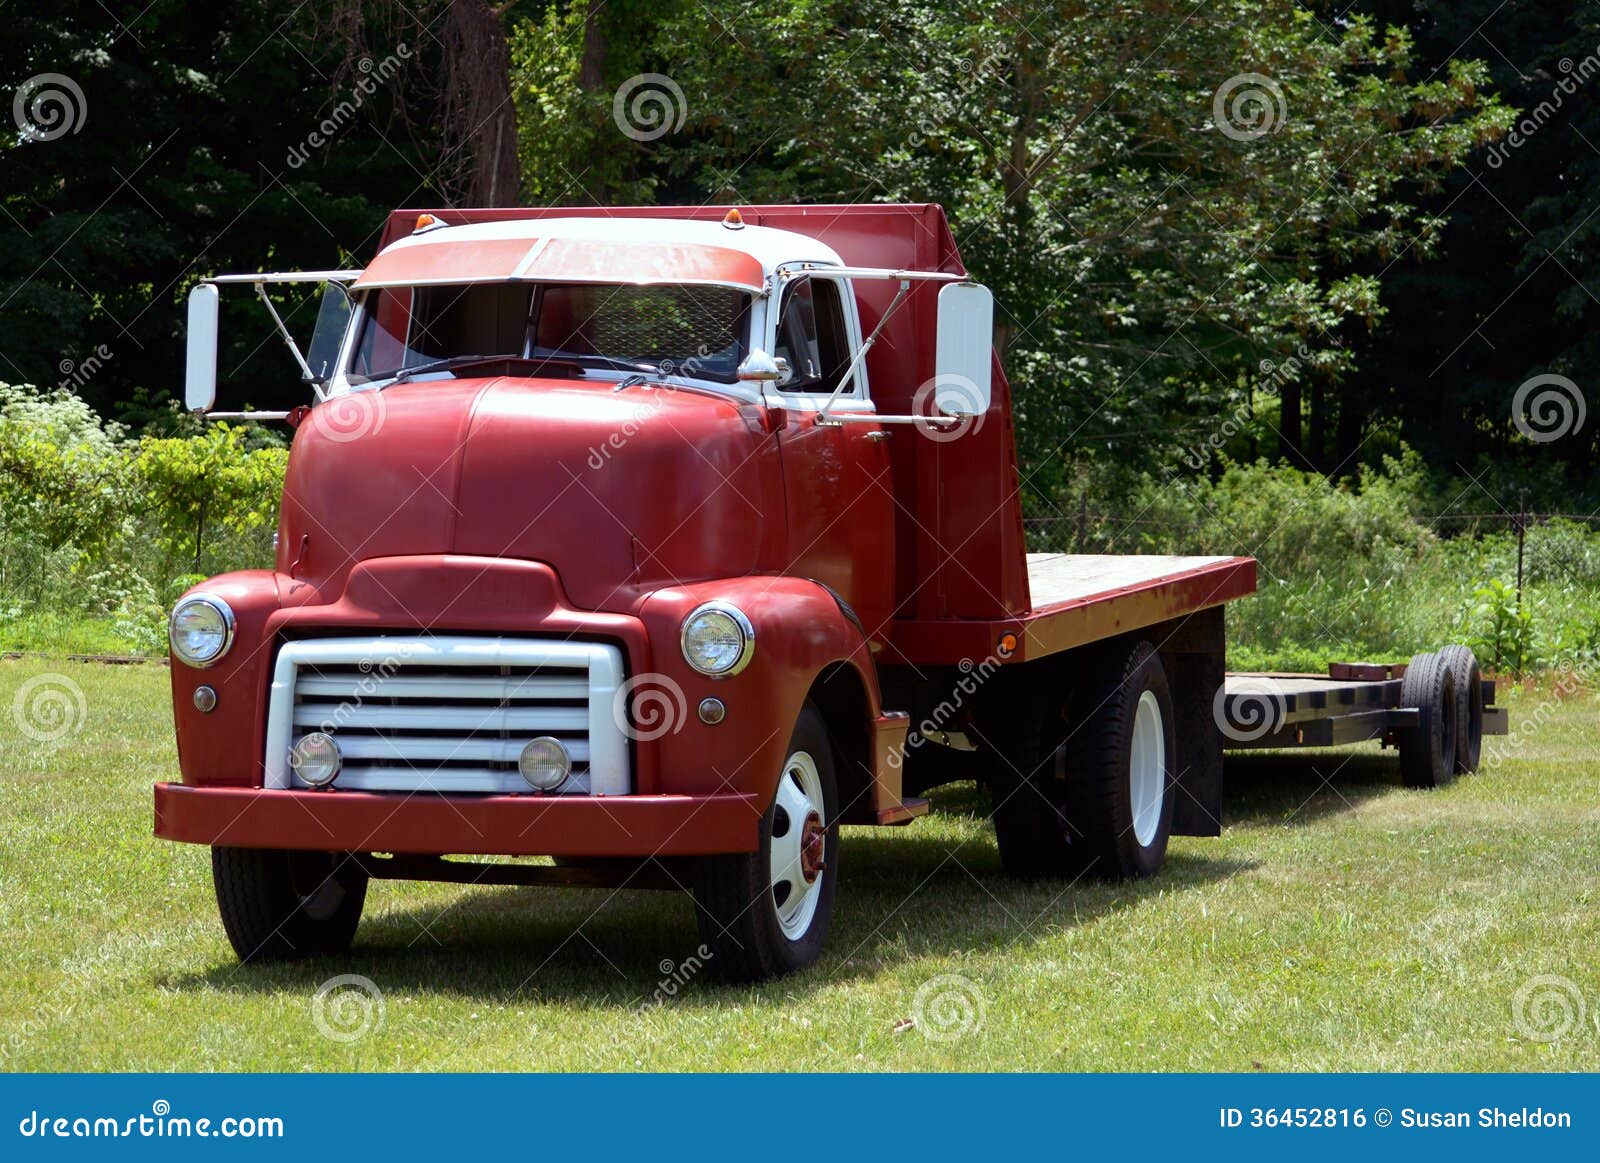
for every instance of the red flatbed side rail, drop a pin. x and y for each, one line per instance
(1076, 622)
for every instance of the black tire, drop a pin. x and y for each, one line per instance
(285, 906)
(1428, 750)
(1100, 756)
(742, 904)
(1468, 678)
(1028, 781)
(1064, 805)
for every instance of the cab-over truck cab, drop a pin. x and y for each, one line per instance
(641, 539)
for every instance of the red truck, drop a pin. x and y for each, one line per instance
(666, 541)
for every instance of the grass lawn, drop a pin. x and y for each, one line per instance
(1339, 923)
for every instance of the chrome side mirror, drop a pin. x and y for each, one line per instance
(200, 370)
(759, 367)
(964, 349)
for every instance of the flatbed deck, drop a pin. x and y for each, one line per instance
(1079, 598)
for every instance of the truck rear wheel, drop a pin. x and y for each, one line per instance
(284, 906)
(1428, 750)
(1468, 678)
(1090, 794)
(766, 913)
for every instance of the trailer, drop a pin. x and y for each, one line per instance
(1434, 710)
(667, 542)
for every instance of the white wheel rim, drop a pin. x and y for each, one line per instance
(799, 798)
(1147, 769)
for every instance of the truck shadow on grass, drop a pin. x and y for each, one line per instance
(1299, 788)
(926, 891)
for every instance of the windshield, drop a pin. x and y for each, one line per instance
(694, 331)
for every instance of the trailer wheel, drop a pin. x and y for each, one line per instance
(284, 906)
(766, 913)
(1468, 677)
(1091, 796)
(1428, 750)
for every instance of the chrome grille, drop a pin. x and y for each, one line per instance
(449, 714)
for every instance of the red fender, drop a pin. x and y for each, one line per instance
(800, 630)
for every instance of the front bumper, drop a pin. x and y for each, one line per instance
(351, 821)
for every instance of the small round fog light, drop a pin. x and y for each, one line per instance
(712, 712)
(205, 699)
(316, 759)
(544, 763)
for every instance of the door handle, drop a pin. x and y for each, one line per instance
(879, 436)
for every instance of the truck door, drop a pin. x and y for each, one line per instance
(837, 488)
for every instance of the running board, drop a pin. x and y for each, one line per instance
(907, 810)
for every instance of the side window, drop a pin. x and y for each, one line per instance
(812, 337)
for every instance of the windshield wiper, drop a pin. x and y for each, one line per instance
(451, 362)
(627, 365)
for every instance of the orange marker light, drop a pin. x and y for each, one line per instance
(425, 222)
(733, 220)
(1007, 646)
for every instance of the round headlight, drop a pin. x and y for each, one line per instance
(718, 639)
(201, 629)
(544, 763)
(316, 759)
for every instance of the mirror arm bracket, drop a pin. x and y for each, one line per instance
(294, 349)
(861, 352)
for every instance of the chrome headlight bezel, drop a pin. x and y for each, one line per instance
(737, 619)
(215, 603)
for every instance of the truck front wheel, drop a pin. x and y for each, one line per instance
(766, 913)
(284, 906)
